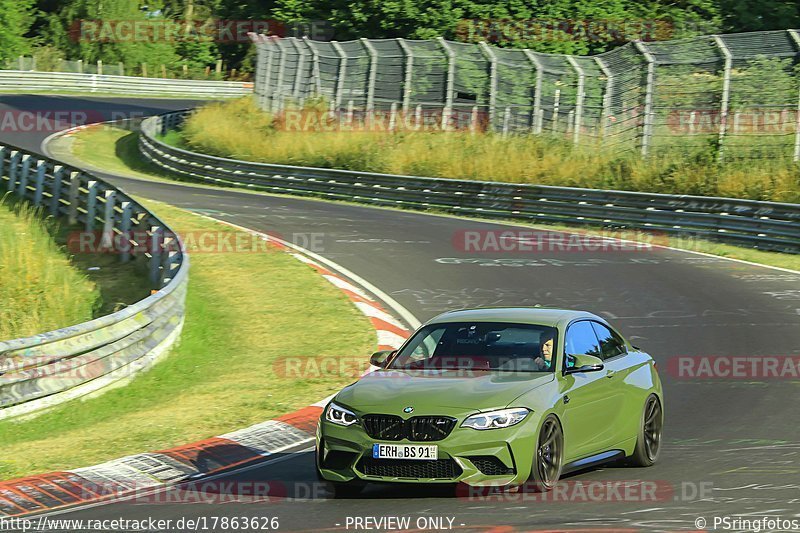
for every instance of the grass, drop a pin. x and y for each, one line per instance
(238, 129)
(244, 312)
(40, 289)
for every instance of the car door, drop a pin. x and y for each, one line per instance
(588, 406)
(612, 352)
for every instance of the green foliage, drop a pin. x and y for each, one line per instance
(16, 16)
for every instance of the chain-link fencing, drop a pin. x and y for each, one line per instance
(724, 96)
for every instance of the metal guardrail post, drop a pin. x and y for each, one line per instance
(407, 74)
(156, 237)
(91, 204)
(13, 169)
(372, 77)
(22, 188)
(647, 128)
(796, 38)
(447, 112)
(489, 54)
(55, 192)
(107, 238)
(538, 115)
(41, 169)
(125, 230)
(726, 94)
(341, 74)
(609, 90)
(579, 98)
(72, 197)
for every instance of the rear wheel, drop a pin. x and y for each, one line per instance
(648, 442)
(549, 455)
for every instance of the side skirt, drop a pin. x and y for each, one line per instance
(593, 460)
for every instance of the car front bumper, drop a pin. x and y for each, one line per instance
(495, 457)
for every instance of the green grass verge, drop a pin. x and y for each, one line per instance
(244, 312)
(238, 129)
(40, 290)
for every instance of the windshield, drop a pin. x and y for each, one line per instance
(480, 346)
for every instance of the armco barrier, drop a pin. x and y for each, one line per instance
(765, 225)
(46, 369)
(31, 81)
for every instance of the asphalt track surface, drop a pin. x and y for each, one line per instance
(731, 446)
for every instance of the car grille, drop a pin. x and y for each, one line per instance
(490, 465)
(438, 469)
(416, 429)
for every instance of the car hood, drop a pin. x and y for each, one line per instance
(437, 391)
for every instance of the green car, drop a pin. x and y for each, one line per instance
(494, 397)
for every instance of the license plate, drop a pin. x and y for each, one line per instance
(426, 452)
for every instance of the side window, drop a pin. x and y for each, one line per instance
(581, 339)
(611, 345)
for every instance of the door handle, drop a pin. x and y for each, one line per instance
(611, 374)
(566, 399)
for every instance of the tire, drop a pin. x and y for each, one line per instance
(648, 440)
(548, 456)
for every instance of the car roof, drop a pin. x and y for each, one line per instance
(544, 316)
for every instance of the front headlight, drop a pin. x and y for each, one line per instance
(339, 415)
(496, 419)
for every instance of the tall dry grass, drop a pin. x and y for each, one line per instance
(238, 129)
(40, 290)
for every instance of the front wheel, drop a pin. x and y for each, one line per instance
(549, 455)
(648, 442)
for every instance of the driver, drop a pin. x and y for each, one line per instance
(545, 360)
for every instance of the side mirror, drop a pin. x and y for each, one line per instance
(584, 363)
(380, 359)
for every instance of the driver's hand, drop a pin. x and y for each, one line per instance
(540, 362)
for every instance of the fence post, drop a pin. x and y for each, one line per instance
(314, 65)
(80, 66)
(340, 75)
(393, 116)
(298, 75)
(55, 192)
(277, 101)
(579, 97)
(99, 66)
(556, 101)
(538, 116)
(606, 112)
(408, 73)
(726, 95)
(266, 95)
(506, 121)
(796, 38)
(492, 57)
(23, 175)
(371, 79)
(41, 169)
(3, 150)
(647, 129)
(449, 88)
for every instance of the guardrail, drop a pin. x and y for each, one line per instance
(765, 225)
(46, 369)
(23, 80)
